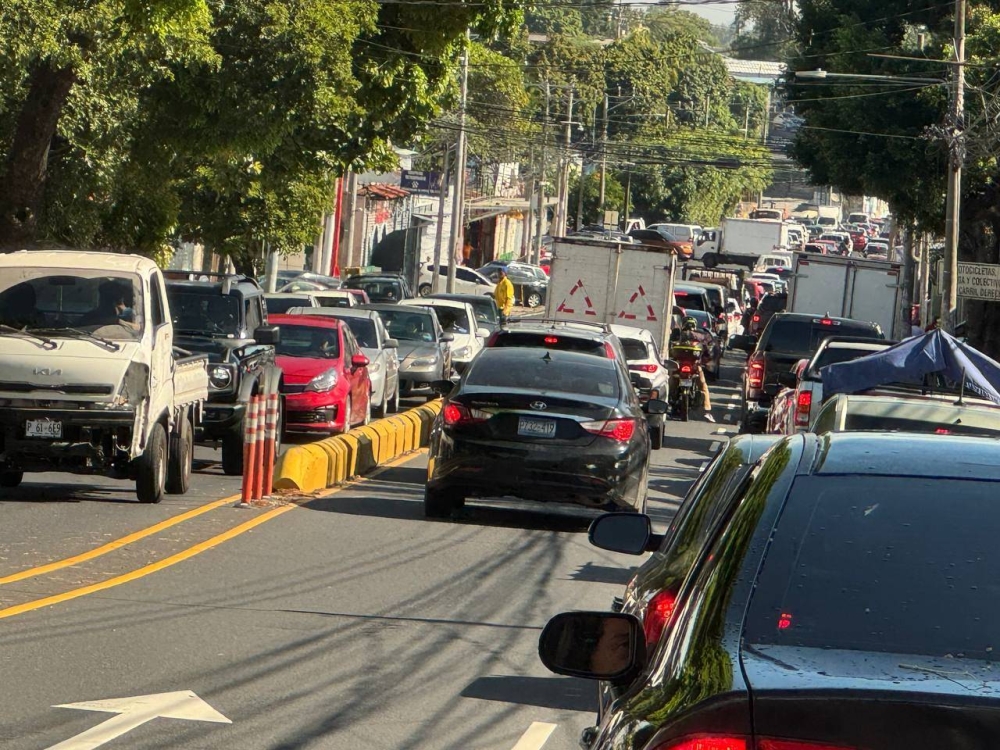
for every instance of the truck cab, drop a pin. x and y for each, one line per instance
(90, 379)
(224, 317)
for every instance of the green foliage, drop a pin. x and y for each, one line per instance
(764, 30)
(614, 196)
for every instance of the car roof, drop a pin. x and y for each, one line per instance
(288, 295)
(336, 312)
(76, 259)
(521, 353)
(581, 328)
(243, 284)
(310, 321)
(907, 454)
(393, 307)
(472, 299)
(631, 332)
(856, 342)
(811, 317)
(425, 302)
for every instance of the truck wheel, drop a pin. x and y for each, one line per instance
(441, 503)
(232, 452)
(11, 479)
(179, 458)
(710, 260)
(151, 467)
(656, 437)
(534, 300)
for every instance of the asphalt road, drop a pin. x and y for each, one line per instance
(343, 622)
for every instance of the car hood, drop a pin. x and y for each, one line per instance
(416, 349)
(218, 349)
(75, 370)
(299, 370)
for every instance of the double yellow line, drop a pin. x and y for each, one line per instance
(166, 562)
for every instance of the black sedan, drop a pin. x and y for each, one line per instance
(845, 599)
(544, 425)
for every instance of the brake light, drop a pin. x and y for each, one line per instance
(756, 319)
(609, 351)
(768, 743)
(802, 406)
(551, 340)
(454, 414)
(706, 743)
(643, 368)
(686, 369)
(658, 612)
(620, 430)
(755, 373)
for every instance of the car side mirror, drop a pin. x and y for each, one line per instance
(482, 333)
(442, 387)
(771, 389)
(628, 533)
(447, 337)
(656, 406)
(390, 344)
(593, 645)
(267, 335)
(360, 360)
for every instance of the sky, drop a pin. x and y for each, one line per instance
(719, 13)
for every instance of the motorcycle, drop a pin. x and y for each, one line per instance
(685, 390)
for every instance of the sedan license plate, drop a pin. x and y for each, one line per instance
(687, 383)
(43, 428)
(528, 427)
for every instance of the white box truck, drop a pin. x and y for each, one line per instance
(850, 287)
(613, 283)
(741, 242)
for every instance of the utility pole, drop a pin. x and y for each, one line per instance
(458, 201)
(439, 239)
(953, 203)
(604, 161)
(348, 223)
(765, 131)
(562, 211)
(909, 245)
(537, 255)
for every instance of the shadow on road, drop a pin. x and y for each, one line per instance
(559, 693)
(602, 574)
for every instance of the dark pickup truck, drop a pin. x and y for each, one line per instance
(787, 338)
(224, 316)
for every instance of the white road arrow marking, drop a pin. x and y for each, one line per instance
(535, 736)
(134, 712)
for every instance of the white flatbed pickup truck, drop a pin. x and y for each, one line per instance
(90, 381)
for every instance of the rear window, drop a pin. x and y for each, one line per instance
(898, 565)
(804, 336)
(364, 331)
(689, 300)
(597, 378)
(833, 356)
(635, 349)
(308, 341)
(550, 340)
(773, 303)
(279, 305)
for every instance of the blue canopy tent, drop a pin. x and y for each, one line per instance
(910, 361)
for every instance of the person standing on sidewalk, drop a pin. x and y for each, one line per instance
(504, 296)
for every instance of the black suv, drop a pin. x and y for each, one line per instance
(787, 338)
(225, 318)
(380, 287)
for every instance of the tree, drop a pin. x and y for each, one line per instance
(764, 30)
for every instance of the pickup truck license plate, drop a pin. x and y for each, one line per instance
(43, 428)
(528, 427)
(687, 383)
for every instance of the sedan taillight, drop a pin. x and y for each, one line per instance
(619, 430)
(803, 404)
(755, 372)
(723, 742)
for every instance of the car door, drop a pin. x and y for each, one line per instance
(390, 359)
(161, 357)
(357, 376)
(466, 281)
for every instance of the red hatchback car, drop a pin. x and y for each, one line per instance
(326, 384)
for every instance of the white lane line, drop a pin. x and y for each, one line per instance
(720, 431)
(735, 396)
(714, 446)
(536, 736)
(731, 407)
(727, 417)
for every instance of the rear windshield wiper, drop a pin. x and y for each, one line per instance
(107, 343)
(48, 343)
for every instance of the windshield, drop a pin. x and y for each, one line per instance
(545, 374)
(378, 290)
(452, 319)
(834, 355)
(800, 336)
(308, 341)
(407, 324)
(635, 350)
(280, 305)
(364, 331)
(56, 301)
(891, 564)
(205, 314)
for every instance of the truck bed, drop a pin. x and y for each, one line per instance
(190, 378)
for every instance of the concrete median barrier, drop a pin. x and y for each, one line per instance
(335, 460)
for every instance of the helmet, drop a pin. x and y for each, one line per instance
(689, 324)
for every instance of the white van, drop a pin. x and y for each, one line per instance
(774, 260)
(681, 232)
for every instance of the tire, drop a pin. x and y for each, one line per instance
(685, 407)
(656, 437)
(424, 290)
(534, 300)
(232, 452)
(151, 467)
(710, 260)
(179, 458)
(11, 479)
(441, 503)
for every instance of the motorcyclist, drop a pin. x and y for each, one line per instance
(688, 335)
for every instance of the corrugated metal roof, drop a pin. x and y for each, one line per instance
(384, 191)
(766, 70)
